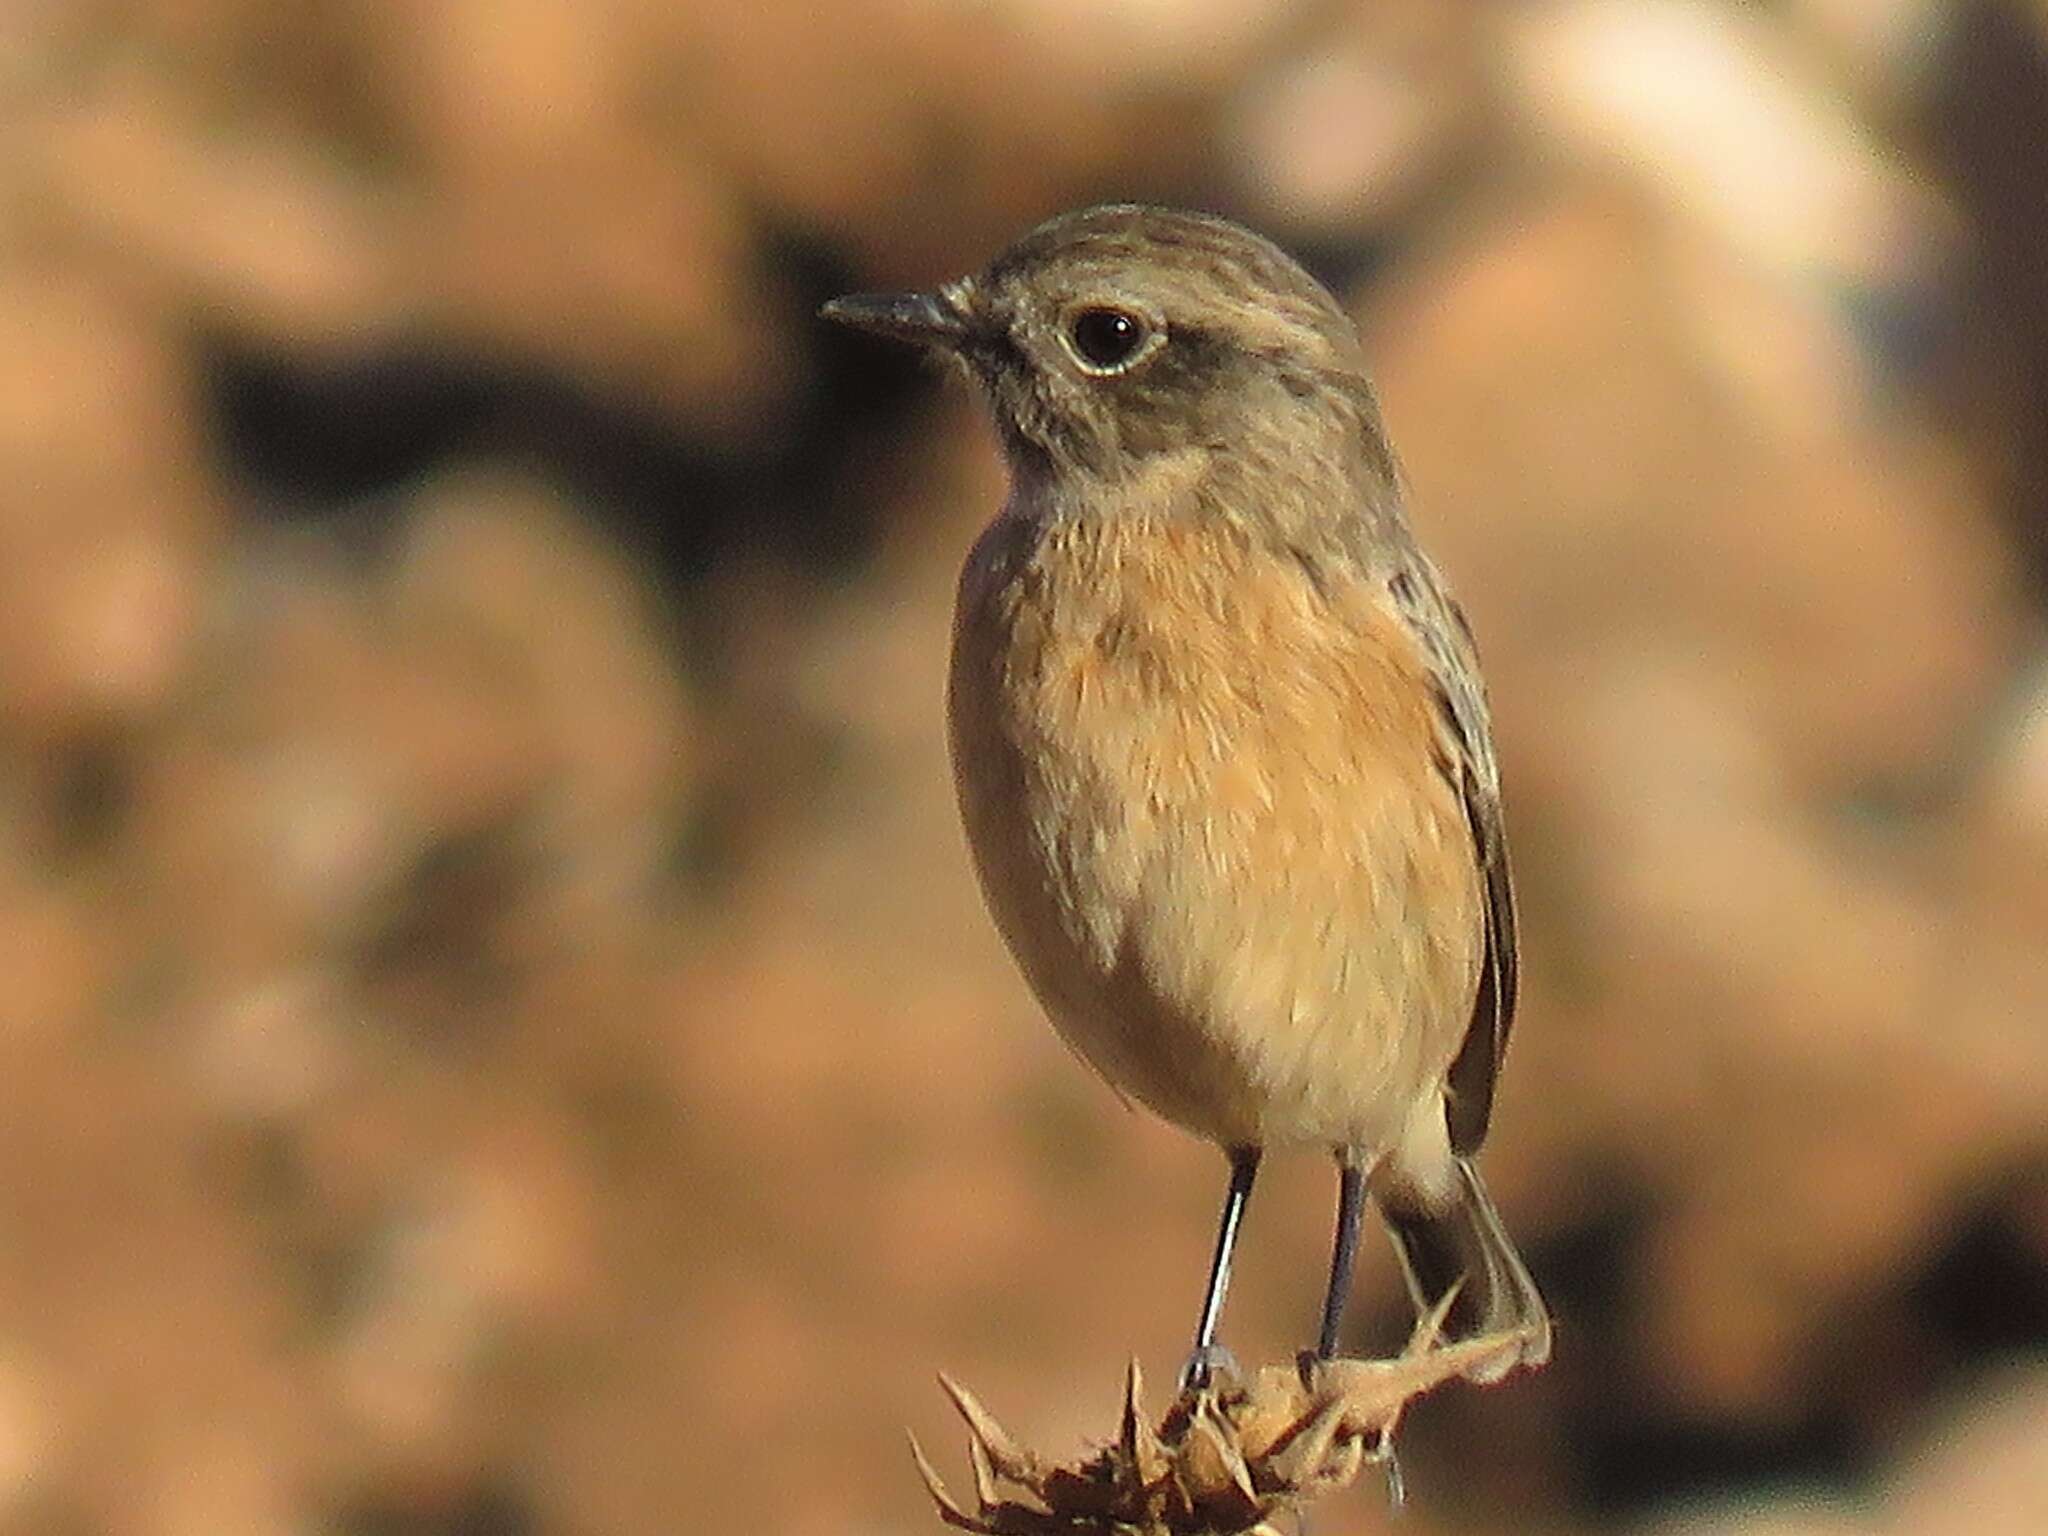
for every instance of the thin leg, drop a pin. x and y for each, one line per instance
(1343, 1256)
(1244, 1169)
(1350, 1211)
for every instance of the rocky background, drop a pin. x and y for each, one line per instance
(497, 1037)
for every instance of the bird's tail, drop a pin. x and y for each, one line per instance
(1466, 1243)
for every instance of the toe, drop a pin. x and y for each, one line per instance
(1205, 1365)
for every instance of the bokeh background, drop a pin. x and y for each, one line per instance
(497, 1036)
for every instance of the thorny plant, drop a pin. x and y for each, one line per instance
(1228, 1458)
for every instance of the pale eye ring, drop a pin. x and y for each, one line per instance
(1108, 340)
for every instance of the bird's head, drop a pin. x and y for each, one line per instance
(1109, 337)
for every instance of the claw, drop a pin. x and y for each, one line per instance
(1390, 1466)
(1204, 1365)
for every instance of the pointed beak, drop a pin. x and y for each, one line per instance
(924, 319)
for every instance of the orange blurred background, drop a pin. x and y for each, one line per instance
(499, 1036)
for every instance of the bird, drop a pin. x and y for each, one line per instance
(1223, 755)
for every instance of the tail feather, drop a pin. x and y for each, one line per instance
(1467, 1243)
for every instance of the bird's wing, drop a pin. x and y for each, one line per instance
(1467, 760)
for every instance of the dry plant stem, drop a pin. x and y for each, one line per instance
(1228, 1458)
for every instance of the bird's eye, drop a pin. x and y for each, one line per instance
(1105, 340)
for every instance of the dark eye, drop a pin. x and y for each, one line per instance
(1106, 339)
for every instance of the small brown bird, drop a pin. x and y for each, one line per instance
(1219, 737)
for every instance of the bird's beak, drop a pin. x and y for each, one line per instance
(924, 319)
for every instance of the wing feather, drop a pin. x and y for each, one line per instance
(1445, 640)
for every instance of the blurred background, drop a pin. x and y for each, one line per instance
(499, 1035)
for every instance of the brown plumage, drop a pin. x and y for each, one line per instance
(1221, 746)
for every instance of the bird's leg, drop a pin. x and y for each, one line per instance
(1244, 1168)
(1344, 1255)
(1350, 1211)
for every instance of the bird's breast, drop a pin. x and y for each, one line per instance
(1196, 775)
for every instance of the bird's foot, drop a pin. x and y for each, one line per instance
(1390, 1468)
(1204, 1365)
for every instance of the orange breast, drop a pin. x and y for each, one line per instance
(1200, 788)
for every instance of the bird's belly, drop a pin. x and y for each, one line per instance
(1234, 888)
